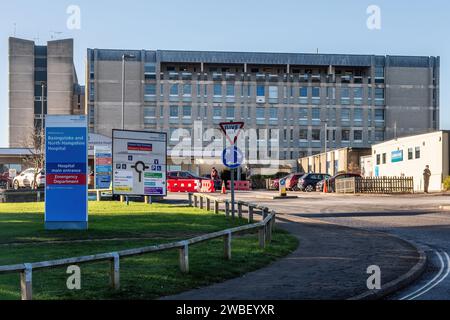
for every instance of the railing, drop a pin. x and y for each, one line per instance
(264, 227)
(377, 185)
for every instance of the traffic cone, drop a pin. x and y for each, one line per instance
(325, 187)
(224, 189)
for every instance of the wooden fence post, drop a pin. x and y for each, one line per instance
(216, 206)
(115, 271)
(250, 213)
(184, 258)
(262, 237)
(26, 282)
(227, 208)
(227, 246)
(208, 204)
(239, 205)
(195, 201)
(190, 199)
(201, 202)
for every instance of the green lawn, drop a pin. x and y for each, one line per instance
(114, 226)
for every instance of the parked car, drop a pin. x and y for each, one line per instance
(292, 181)
(26, 179)
(309, 181)
(180, 175)
(332, 181)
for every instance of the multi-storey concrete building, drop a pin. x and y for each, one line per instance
(30, 65)
(311, 100)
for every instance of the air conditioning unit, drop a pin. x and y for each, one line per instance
(260, 99)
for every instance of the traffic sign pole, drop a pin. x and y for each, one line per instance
(232, 194)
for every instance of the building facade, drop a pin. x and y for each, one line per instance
(408, 157)
(299, 100)
(30, 65)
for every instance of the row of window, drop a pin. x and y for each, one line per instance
(272, 113)
(413, 153)
(272, 91)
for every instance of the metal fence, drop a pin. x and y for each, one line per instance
(377, 185)
(265, 228)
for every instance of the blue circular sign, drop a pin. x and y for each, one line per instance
(232, 157)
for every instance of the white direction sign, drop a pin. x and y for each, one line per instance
(139, 163)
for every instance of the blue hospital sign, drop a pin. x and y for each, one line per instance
(66, 155)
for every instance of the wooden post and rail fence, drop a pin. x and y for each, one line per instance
(377, 185)
(264, 228)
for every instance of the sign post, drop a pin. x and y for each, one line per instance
(232, 157)
(103, 167)
(66, 157)
(139, 163)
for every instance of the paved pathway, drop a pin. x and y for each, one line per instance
(330, 263)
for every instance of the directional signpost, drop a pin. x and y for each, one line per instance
(139, 163)
(232, 157)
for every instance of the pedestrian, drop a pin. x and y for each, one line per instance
(214, 174)
(426, 178)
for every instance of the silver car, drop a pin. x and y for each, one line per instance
(26, 179)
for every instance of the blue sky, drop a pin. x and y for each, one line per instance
(407, 28)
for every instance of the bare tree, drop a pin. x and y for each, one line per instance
(35, 143)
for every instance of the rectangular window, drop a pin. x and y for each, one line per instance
(260, 91)
(303, 134)
(273, 113)
(384, 158)
(379, 96)
(174, 90)
(316, 92)
(358, 135)
(217, 90)
(378, 159)
(217, 113)
(417, 152)
(230, 112)
(187, 90)
(303, 92)
(410, 154)
(315, 134)
(315, 114)
(303, 114)
(149, 115)
(379, 115)
(150, 89)
(357, 96)
(187, 111)
(346, 135)
(230, 90)
(260, 113)
(345, 114)
(358, 114)
(273, 94)
(345, 96)
(379, 135)
(174, 111)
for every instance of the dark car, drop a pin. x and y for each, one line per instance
(180, 175)
(309, 181)
(332, 181)
(292, 181)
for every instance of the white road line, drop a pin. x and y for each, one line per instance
(429, 283)
(436, 283)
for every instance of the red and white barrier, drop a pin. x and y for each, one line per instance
(240, 185)
(208, 186)
(183, 185)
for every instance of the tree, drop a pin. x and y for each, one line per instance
(36, 156)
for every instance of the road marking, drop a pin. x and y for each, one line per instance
(433, 282)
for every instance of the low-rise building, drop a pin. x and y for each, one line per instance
(409, 156)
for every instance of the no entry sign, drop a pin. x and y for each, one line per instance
(66, 173)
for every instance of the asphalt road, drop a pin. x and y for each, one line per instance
(416, 218)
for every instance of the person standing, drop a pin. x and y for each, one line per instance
(426, 178)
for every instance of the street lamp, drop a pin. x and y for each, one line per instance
(124, 58)
(43, 85)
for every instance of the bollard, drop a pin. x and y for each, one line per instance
(201, 202)
(184, 258)
(115, 271)
(26, 282)
(208, 204)
(195, 201)
(99, 197)
(190, 199)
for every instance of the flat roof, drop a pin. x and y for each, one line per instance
(264, 58)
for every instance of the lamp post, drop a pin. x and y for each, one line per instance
(124, 58)
(43, 85)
